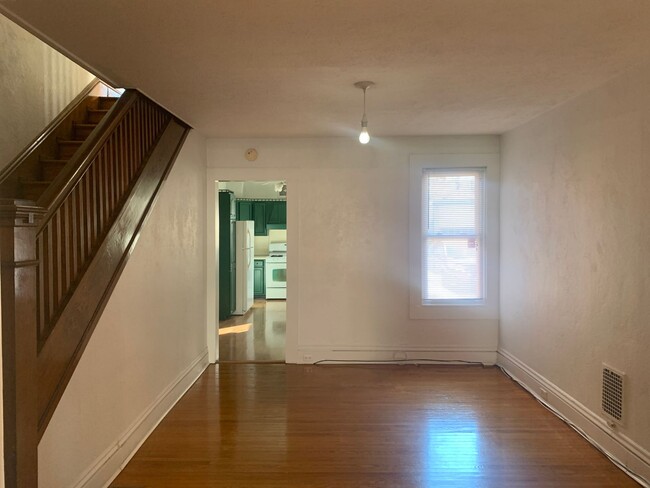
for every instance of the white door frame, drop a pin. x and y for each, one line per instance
(214, 175)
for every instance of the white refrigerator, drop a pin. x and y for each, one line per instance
(245, 245)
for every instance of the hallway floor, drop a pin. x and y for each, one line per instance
(355, 426)
(256, 336)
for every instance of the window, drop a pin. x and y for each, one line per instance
(453, 213)
(454, 237)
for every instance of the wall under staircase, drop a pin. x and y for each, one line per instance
(148, 346)
(73, 206)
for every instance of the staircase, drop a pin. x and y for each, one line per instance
(52, 164)
(71, 208)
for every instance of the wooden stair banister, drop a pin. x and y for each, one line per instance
(63, 255)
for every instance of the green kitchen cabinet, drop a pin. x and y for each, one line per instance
(259, 216)
(244, 210)
(227, 254)
(277, 212)
(259, 285)
(265, 214)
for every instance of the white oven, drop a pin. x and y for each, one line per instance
(276, 271)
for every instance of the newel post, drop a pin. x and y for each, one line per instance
(19, 220)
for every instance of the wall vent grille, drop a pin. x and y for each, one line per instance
(612, 401)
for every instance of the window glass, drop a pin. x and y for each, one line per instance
(453, 236)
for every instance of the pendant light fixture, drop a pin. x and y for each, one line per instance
(364, 137)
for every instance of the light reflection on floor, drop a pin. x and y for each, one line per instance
(258, 335)
(452, 443)
(235, 329)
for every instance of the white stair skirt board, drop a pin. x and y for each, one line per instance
(112, 461)
(616, 445)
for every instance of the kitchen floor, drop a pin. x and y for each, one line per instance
(256, 336)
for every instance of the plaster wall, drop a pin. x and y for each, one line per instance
(575, 280)
(348, 245)
(152, 329)
(36, 83)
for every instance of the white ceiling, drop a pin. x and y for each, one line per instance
(286, 68)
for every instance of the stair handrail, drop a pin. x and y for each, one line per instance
(75, 168)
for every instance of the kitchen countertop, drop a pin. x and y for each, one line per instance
(260, 257)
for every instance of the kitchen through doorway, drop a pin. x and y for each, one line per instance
(252, 270)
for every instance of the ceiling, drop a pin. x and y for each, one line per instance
(286, 68)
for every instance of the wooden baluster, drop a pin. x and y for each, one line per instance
(132, 138)
(145, 129)
(124, 161)
(129, 146)
(74, 241)
(144, 132)
(108, 183)
(42, 300)
(65, 248)
(104, 185)
(118, 161)
(81, 223)
(149, 131)
(55, 286)
(98, 194)
(88, 212)
(114, 173)
(138, 130)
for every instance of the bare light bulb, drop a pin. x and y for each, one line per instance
(364, 137)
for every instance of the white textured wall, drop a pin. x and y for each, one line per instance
(36, 83)
(575, 237)
(348, 243)
(152, 329)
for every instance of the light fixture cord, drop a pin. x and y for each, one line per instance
(364, 119)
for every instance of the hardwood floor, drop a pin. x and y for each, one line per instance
(258, 335)
(379, 426)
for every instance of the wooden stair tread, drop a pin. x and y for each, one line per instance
(36, 182)
(54, 161)
(69, 141)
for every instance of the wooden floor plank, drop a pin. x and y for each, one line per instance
(381, 426)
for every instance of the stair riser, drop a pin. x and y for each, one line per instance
(94, 117)
(51, 170)
(66, 150)
(81, 133)
(106, 103)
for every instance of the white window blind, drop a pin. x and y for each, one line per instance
(453, 211)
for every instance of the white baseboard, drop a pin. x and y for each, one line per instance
(352, 354)
(617, 445)
(111, 462)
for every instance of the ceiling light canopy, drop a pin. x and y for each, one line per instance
(364, 136)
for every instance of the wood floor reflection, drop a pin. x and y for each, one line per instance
(379, 426)
(257, 336)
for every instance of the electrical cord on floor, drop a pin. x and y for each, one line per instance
(632, 474)
(413, 361)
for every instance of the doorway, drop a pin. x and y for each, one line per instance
(252, 219)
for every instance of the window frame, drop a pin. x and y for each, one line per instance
(488, 307)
